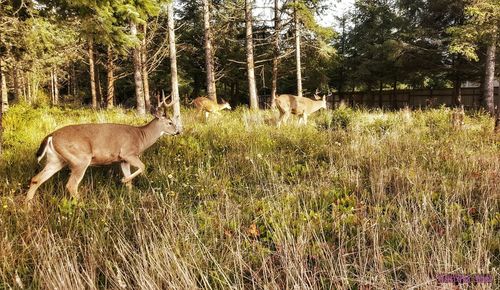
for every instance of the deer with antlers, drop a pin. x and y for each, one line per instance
(84, 145)
(300, 106)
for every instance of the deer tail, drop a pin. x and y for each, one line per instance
(42, 150)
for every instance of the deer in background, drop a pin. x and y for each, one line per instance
(84, 145)
(208, 106)
(300, 106)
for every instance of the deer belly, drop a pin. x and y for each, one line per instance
(104, 159)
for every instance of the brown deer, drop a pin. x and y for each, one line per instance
(84, 145)
(300, 106)
(208, 106)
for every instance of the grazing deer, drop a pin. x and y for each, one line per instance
(300, 106)
(81, 146)
(208, 106)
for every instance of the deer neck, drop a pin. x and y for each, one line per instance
(150, 133)
(316, 105)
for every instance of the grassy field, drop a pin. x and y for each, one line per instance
(355, 200)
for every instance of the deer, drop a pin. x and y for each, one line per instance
(208, 106)
(83, 145)
(300, 106)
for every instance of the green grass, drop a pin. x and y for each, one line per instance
(355, 199)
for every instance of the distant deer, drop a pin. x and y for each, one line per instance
(81, 146)
(208, 106)
(300, 106)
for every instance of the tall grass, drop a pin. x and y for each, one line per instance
(355, 200)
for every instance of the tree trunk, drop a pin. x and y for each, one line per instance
(173, 66)
(56, 87)
(297, 51)
(394, 94)
(2, 92)
(110, 68)
(489, 77)
(144, 68)
(252, 88)
(93, 91)
(100, 98)
(457, 92)
(380, 97)
(209, 54)
(73, 77)
(497, 119)
(139, 93)
(276, 53)
(17, 87)
(3, 87)
(52, 86)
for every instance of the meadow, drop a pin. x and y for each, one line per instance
(356, 199)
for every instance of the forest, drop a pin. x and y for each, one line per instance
(274, 175)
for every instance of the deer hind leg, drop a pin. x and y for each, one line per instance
(135, 162)
(77, 173)
(126, 173)
(54, 164)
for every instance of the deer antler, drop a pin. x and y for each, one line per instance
(164, 100)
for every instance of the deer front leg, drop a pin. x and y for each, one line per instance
(304, 118)
(283, 118)
(135, 162)
(77, 172)
(126, 173)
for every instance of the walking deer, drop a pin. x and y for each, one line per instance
(84, 145)
(208, 106)
(300, 106)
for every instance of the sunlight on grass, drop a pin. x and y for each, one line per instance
(354, 199)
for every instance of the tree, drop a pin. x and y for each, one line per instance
(209, 54)
(110, 76)
(144, 68)
(297, 48)
(173, 66)
(138, 80)
(276, 52)
(3, 87)
(252, 88)
(93, 91)
(481, 27)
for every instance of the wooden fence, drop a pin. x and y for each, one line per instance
(418, 98)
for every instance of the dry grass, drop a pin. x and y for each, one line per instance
(355, 200)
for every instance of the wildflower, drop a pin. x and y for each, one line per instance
(170, 176)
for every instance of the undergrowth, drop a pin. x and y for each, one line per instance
(354, 200)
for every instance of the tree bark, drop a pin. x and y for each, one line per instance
(73, 77)
(56, 87)
(144, 68)
(276, 53)
(457, 92)
(100, 98)
(2, 92)
(110, 68)
(139, 93)
(173, 67)
(3, 87)
(17, 87)
(93, 91)
(489, 77)
(252, 88)
(209, 54)
(297, 50)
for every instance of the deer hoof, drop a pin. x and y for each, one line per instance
(125, 180)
